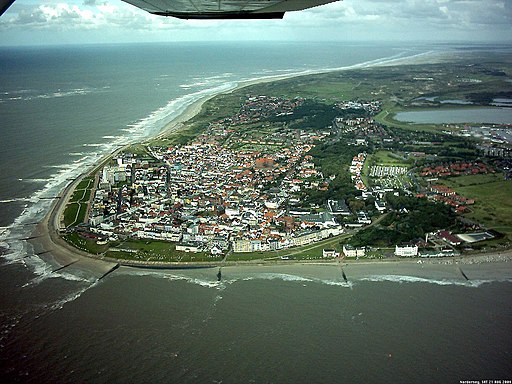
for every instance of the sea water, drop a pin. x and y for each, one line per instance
(62, 108)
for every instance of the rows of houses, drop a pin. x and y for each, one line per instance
(356, 168)
(457, 169)
(207, 197)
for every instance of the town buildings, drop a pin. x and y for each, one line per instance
(406, 250)
(218, 191)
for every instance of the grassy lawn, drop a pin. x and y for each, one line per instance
(70, 213)
(493, 199)
(383, 157)
(464, 181)
(76, 208)
(87, 245)
(74, 214)
(85, 183)
(157, 251)
(80, 195)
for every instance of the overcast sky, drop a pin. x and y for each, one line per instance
(34, 22)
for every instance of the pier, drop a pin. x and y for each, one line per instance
(343, 275)
(116, 266)
(463, 274)
(65, 266)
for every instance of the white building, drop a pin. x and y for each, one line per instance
(363, 218)
(380, 205)
(350, 251)
(406, 250)
(329, 253)
(188, 247)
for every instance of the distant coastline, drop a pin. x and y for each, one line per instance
(46, 239)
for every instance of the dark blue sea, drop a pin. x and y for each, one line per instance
(62, 108)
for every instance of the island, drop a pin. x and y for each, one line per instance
(308, 169)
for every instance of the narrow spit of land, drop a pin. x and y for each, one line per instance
(48, 238)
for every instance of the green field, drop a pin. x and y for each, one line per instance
(158, 251)
(493, 199)
(383, 157)
(87, 245)
(76, 209)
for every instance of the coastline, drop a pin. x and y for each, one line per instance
(48, 244)
(45, 239)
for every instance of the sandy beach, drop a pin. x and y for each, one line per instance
(48, 244)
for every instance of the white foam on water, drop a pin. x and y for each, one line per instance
(154, 122)
(43, 271)
(31, 94)
(172, 275)
(277, 276)
(297, 278)
(33, 180)
(413, 279)
(16, 200)
(16, 249)
(59, 304)
(8, 324)
(344, 284)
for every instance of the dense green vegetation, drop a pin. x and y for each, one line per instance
(334, 160)
(410, 219)
(313, 114)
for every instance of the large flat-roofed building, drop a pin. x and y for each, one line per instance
(406, 250)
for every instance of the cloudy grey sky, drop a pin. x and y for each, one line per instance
(34, 22)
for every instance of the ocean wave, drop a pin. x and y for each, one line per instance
(298, 278)
(44, 270)
(159, 118)
(81, 160)
(231, 279)
(208, 81)
(414, 279)
(172, 276)
(53, 185)
(93, 145)
(277, 276)
(31, 94)
(59, 304)
(193, 85)
(16, 200)
(33, 180)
